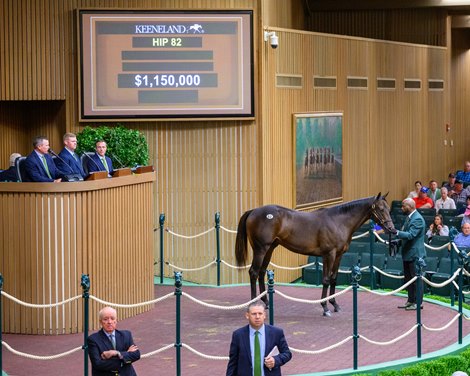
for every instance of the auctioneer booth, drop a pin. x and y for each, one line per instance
(51, 233)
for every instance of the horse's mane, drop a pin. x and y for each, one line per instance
(351, 205)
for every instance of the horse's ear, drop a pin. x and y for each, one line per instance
(385, 196)
(378, 196)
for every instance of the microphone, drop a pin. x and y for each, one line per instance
(67, 177)
(117, 160)
(60, 159)
(91, 159)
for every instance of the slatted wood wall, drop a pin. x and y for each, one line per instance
(391, 138)
(51, 234)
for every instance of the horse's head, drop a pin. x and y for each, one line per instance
(380, 213)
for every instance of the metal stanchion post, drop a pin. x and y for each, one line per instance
(419, 265)
(452, 233)
(85, 283)
(271, 296)
(178, 293)
(217, 237)
(371, 260)
(464, 259)
(162, 222)
(356, 277)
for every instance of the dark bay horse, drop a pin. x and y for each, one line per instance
(325, 232)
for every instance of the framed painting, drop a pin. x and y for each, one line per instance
(318, 159)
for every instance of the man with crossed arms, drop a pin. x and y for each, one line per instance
(112, 351)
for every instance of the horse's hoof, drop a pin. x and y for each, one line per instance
(337, 309)
(327, 313)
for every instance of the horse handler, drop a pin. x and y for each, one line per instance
(412, 237)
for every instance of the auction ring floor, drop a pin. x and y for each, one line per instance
(208, 331)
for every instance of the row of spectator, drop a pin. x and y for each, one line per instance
(39, 166)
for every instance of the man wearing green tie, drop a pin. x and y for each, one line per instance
(257, 349)
(99, 161)
(39, 166)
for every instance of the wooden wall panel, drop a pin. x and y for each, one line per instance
(287, 14)
(54, 233)
(232, 166)
(419, 26)
(386, 134)
(459, 136)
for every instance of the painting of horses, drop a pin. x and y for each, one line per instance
(318, 159)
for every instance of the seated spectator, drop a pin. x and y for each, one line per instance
(418, 186)
(10, 174)
(423, 201)
(464, 174)
(461, 210)
(462, 240)
(450, 182)
(68, 161)
(434, 192)
(100, 161)
(437, 227)
(39, 166)
(445, 202)
(459, 194)
(466, 214)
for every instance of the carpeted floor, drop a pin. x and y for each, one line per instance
(208, 331)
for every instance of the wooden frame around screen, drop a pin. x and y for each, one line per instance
(317, 159)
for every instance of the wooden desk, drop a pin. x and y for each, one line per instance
(51, 233)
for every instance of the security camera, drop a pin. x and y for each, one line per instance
(273, 38)
(274, 41)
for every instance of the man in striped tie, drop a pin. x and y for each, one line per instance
(257, 349)
(112, 351)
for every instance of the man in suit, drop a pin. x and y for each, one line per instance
(10, 174)
(412, 237)
(112, 351)
(69, 162)
(254, 339)
(39, 166)
(99, 161)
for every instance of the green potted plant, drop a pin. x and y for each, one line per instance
(126, 147)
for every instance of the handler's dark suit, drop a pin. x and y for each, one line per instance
(412, 236)
(240, 363)
(99, 342)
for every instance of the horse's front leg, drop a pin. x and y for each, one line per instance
(326, 280)
(332, 292)
(324, 293)
(334, 275)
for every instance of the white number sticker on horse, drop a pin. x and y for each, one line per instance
(270, 216)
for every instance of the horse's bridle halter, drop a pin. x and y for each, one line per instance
(382, 221)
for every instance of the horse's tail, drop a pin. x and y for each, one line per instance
(240, 243)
